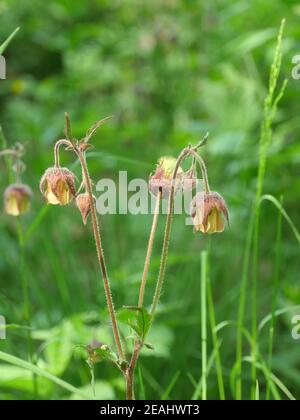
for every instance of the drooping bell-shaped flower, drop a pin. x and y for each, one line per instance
(208, 211)
(58, 186)
(17, 199)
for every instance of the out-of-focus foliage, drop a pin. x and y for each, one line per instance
(168, 71)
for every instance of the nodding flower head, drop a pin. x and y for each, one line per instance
(207, 211)
(17, 198)
(162, 178)
(58, 186)
(84, 205)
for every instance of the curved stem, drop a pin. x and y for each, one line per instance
(56, 150)
(149, 249)
(100, 254)
(203, 169)
(166, 241)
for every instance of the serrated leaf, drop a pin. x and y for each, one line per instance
(139, 319)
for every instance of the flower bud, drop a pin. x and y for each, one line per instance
(58, 186)
(84, 205)
(207, 210)
(162, 178)
(17, 198)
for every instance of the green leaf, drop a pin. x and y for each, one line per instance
(139, 319)
(59, 350)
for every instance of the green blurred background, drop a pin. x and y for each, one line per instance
(168, 71)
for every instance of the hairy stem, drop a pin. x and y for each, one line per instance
(129, 375)
(138, 345)
(100, 254)
(166, 241)
(149, 249)
(56, 151)
(185, 152)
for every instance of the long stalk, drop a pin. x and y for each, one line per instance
(270, 107)
(185, 152)
(138, 345)
(80, 152)
(26, 298)
(100, 254)
(166, 240)
(204, 323)
(216, 343)
(149, 249)
(241, 309)
(274, 297)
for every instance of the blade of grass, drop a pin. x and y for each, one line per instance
(141, 383)
(36, 222)
(278, 205)
(171, 386)
(273, 378)
(204, 324)
(215, 339)
(279, 312)
(8, 358)
(257, 391)
(26, 298)
(198, 386)
(274, 297)
(5, 44)
(270, 106)
(241, 309)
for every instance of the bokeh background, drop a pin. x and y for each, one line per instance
(168, 71)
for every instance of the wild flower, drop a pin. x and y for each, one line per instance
(58, 186)
(17, 198)
(207, 211)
